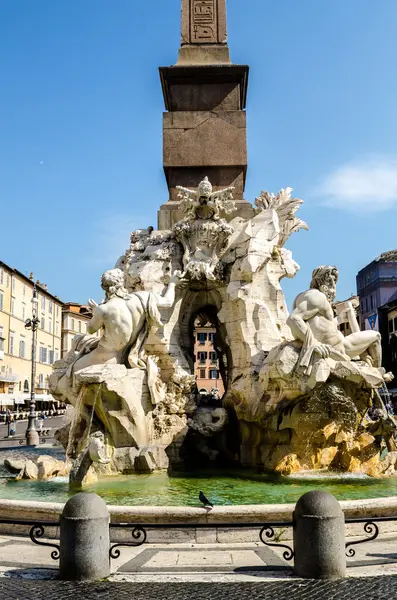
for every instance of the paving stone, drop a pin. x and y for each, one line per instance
(163, 560)
(246, 558)
(375, 588)
(205, 559)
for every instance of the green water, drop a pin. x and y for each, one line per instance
(183, 490)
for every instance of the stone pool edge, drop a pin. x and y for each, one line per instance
(259, 513)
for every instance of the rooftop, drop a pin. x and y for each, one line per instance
(390, 256)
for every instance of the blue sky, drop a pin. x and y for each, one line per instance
(81, 140)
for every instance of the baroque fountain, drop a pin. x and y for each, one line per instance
(299, 396)
(297, 392)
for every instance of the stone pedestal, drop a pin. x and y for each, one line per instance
(84, 539)
(319, 537)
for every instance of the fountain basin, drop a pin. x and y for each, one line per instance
(233, 497)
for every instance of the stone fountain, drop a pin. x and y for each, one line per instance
(298, 394)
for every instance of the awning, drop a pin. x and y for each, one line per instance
(6, 400)
(37, 397)
(10, 399)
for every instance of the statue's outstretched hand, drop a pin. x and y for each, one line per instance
(92, 304)
(323, 350)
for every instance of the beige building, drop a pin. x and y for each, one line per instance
(344, 325)
(16, 290)
(74, 322)
(206, 363)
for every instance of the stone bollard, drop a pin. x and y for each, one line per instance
(319, 537)
(84, 539)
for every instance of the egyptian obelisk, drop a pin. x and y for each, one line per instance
(204, 128)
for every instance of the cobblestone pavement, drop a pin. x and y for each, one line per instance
(384, 588)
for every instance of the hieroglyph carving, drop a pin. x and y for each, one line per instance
(203, 21)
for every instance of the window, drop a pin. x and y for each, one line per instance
(43, 303)
(51, 356)
(213, 357)
(50, 325)
(56, 354)
(43, 354)
(26, 386)
(372, 302)
(13, 284)
(1, 300)
(1, 275)
(1, 340)
(43, 322)
(56, 328)
(23, 310)
(57, 311)
(211, 337)
(24, 291)
(13, 306)
(11, 343)
(50, 306)
(22, 347)
(213, 374)
(72, 320)
(202, 357)
(202, 373)
(201, 338)
(7, 279)
(79, 326)
(41, 380)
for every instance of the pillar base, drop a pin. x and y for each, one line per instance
(32, 438)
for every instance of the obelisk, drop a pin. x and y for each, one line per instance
(204, 130)
(203, 33)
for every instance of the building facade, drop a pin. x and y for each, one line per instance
(388, 330)
(74, 322)
(16, 291)
(376, 284)
(344, 323)
(206, 362)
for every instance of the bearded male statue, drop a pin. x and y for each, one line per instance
(313, 323)
(124, 321)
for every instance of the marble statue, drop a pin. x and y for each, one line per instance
(313, 323)
(125, 320)
(298, 394)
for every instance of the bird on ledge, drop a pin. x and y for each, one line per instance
(207, 503)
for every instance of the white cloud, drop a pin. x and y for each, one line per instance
(368, 185)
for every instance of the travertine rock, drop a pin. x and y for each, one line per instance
(43, 467)
(31, 470)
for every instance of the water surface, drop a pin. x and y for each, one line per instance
(160, 489)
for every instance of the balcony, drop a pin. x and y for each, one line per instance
(9, 378)
(42, 385)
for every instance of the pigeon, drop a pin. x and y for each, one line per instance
(207, 503)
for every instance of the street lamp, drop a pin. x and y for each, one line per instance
(32, 436)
